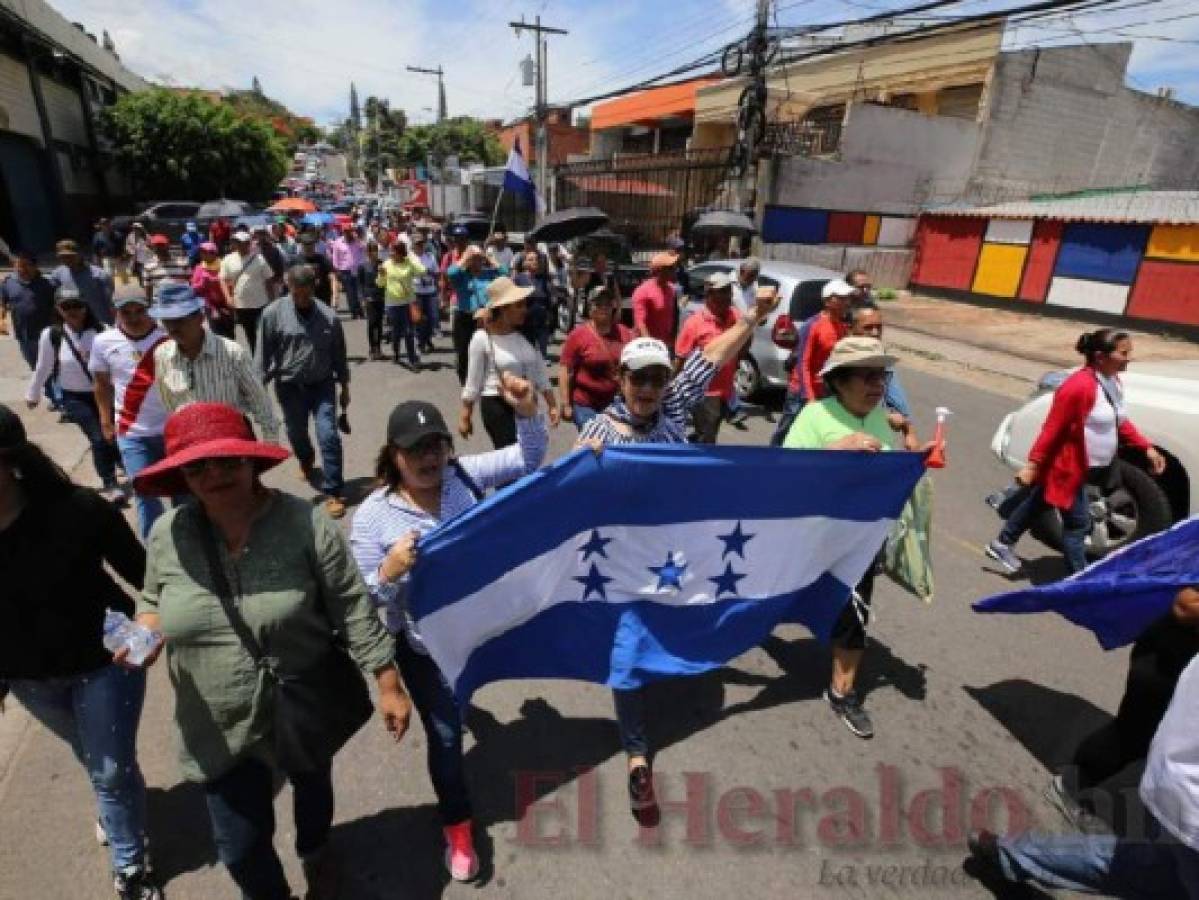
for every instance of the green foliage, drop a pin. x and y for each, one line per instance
(185, 146)
(462, 136)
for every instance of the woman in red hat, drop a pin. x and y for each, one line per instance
(245, 581)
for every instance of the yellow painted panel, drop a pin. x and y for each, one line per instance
(1174, 242)
(999, 268)
(870, 232)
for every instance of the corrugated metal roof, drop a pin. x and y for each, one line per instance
(1169, 207)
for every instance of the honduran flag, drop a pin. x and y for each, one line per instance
(517, 179)
(1120, 596)
(651, 561)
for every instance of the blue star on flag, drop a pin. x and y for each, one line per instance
(593, 582)
(726, 583)
(595, 545)
(670, 573)
(735, 541)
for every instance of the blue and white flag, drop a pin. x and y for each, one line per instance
(1120, 596)
(651, 560)
(517, 179)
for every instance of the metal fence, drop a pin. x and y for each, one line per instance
(645, 196)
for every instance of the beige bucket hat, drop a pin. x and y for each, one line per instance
(858, 352)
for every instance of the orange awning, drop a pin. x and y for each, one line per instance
(648, 107)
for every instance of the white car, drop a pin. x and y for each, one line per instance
(1162, 399)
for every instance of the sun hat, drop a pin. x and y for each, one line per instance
(837, 288)
(858, 352)
(503, 291)
(12, 430)
(159, 240)
(204, 431)
(642, 352)
(719, 281)
(135, 294)
(241, 237)
(175, 301)
(663, 260)
(414, 420)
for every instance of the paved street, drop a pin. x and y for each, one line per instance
(958, 699)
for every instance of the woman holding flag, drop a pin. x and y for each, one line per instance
(651, 408)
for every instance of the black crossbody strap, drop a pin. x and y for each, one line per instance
(75, 353)
(225, 594)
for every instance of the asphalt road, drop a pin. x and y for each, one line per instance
(783, 800)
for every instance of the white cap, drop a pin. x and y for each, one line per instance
(836, 288)
(718, 281)
(241, 236)
(642, 352)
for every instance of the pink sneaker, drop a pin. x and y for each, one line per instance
(460, 857)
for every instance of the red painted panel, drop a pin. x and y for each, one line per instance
(947, 249)
(1042, 251)
(1167, 292)
(846, 228)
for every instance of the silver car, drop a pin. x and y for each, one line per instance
(799, 286)
(1162, 398)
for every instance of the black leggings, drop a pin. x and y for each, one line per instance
(464, 330)
(849, 631)
(499, 419)
(374, 325)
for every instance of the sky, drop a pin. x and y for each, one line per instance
(305, 53)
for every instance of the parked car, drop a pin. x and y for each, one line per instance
(215, 209)
(1163, 400)
(762, 365)
(167, 217)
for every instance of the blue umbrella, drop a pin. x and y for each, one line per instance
(317, 218)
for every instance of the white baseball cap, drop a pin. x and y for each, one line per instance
(242, 236)
(837, 288)
(643, 352)
(718, 281)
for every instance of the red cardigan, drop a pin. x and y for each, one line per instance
(1060, 451)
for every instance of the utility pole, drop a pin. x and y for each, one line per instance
(754, 113)
(543, 143)
(441, 110)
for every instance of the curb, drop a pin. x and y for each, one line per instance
(983, 345)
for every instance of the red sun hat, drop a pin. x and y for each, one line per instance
(204, 431)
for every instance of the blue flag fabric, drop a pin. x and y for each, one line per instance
(1120, 596)
(516, 176)
(651, 560)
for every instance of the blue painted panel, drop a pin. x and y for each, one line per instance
(794, 225)
(1101, 252)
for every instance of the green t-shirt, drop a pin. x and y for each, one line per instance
(827, 421)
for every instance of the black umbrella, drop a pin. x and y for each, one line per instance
(565, 224)
(478, 227)
(605, 235)
(227, 209)
(723, 223)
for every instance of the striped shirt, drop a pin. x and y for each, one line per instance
(222, 373)
(670, 427)
(159, 271)
(385, 517)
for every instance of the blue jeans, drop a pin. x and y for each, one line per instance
(792, 407)
(430, 308)
(81, 407)
(1076, 524)
(138, 453)
(438, 711)
(349, 287)
(581, 415)
(299, 401)
(97, 714)
(242, 811)
(1104, 863)
(400, 319)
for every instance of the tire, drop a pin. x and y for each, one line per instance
(1137, 508)
(748, 379)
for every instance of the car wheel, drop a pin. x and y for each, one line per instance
(748, 380)
(1135, 508)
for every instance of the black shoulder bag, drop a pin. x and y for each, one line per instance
(316, 711)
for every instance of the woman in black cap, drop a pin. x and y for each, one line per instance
(55, 538)
(422, 485)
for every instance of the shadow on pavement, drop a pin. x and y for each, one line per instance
(177, 821)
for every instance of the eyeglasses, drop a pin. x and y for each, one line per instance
(220, 463)
(654, 378)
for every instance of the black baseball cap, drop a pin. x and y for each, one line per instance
(12, 430)
(413, 421)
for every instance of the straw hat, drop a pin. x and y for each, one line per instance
(858, 352)
(503, 291)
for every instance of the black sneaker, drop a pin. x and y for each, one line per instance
(136, 883)
(642, 802)
(849, 709)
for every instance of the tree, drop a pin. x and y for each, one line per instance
(176, 146)
(464, 137)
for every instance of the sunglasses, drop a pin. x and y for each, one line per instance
(219, 463)
(655, 379)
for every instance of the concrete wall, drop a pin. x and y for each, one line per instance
(892, 161)
(887, 268)
(1062, 119)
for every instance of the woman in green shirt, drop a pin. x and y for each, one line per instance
(852, 418)
(294, 585)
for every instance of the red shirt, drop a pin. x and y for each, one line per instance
(449, 258)
(654, 308)
(822, 337)
(593, 362)
(697, 332)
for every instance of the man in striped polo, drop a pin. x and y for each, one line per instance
(196, 365)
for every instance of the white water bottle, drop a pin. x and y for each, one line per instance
(120, 631)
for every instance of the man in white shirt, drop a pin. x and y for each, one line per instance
(248, 281)
(131, 410)
(1163, 861)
